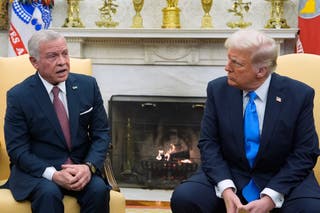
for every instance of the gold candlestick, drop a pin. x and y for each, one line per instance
(206, 21)
(238, 8)
(108, 8)
(277, 21)
(171, 15)
(137, 21)
(73, 16)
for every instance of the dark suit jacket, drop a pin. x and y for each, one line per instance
(288, 145)
(34, 137)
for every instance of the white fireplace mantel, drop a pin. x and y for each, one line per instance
(164, 33)
(159, 46)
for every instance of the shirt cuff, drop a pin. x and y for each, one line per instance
(276, 197)
(223, 185)
(48, 172)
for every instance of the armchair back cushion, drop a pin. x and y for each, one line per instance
(12, 71)
(306, 68)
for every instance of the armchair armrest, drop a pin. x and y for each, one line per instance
(107, 172)
(109, 175)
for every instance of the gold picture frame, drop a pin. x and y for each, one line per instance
(4, 14)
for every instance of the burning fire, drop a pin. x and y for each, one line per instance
(162, 155)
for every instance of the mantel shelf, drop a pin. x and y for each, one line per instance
(165, 33)
(158, 46)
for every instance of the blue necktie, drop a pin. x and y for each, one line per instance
(252, 140)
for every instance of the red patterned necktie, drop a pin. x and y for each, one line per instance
(62, 115)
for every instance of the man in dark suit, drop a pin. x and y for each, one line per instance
(50, 158)
(271, 171)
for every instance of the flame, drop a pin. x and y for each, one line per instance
(162, 155)
(186, 161)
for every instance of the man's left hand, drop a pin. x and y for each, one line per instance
(263, 205)
(81, 175)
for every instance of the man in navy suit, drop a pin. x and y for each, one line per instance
(44, 167)
(288, 143)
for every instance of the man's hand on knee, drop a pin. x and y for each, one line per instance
(231, 200)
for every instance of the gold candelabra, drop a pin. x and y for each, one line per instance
(238, 9)
(171, 15)
(108, 8)
(137, 21)
(73, 14)
(206, 21)
(277, 21)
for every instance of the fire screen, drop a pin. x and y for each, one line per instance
(154, 139)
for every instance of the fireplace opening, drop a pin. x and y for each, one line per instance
(154, 139)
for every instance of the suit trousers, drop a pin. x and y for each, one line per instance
(200, 197)
(94, 198)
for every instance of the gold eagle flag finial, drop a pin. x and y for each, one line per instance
(309, 7)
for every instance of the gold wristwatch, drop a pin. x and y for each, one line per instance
(91, 167)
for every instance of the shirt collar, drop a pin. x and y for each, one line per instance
(261, 91)
(48, 86)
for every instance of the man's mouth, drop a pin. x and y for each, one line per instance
(61, 71)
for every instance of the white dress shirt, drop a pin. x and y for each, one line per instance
(49, 171)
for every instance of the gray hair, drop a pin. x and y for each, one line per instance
(39, 37)
(264, 50)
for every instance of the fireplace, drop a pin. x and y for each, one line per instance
(154, 139)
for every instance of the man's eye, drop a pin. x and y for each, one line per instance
(237, 63)
(51, 56)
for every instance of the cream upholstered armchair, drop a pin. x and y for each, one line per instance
(306, 68)
(12, 71)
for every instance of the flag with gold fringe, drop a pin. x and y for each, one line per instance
(27, 17)
(308, 40)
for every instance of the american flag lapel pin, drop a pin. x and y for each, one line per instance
(278, 99)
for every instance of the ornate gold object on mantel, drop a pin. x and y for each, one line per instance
(206, 21)
(171, 15)
(73, 19)
(3, 15)
(108, 8)
(137, 21)
(238, 8)
(277, 21)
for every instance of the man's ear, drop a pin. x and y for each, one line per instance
(34, 62)
(262, 72)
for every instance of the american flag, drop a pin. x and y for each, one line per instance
(309, 26)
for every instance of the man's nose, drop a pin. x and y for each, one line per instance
(227, 67)
(62, 59)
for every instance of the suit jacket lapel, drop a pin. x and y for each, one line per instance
(271, 115)
(45, 104)
(273, 108)
(73, 105)
(235, 112)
